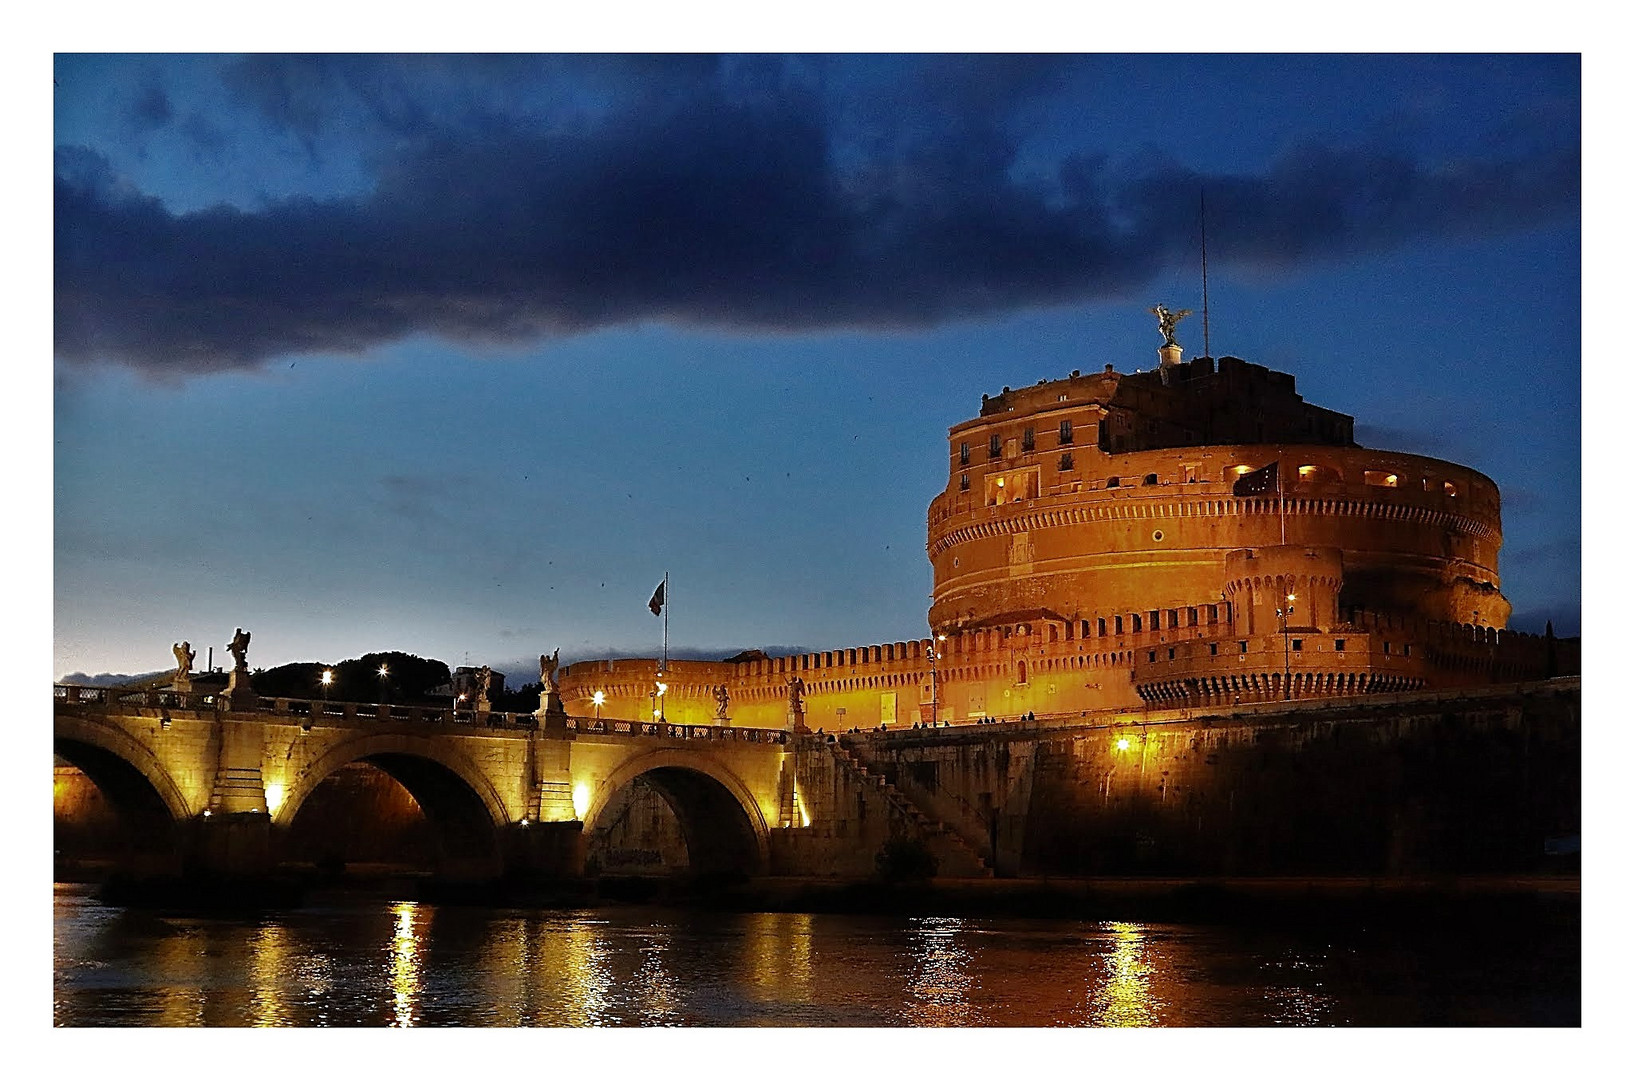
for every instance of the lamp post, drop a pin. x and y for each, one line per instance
(326, 678)
(1283, 613)
(385, 687)
(935, 650)
(598, 699)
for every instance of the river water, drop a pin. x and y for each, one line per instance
(402, 964)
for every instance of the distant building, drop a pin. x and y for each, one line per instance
(1193, 535)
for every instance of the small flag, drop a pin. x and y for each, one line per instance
(656, 604)
(1257, 482)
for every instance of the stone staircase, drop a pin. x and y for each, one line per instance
(955, 858)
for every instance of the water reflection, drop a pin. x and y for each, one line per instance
(405, 964)
(940, 984)
(368, 963)
(1122, 995)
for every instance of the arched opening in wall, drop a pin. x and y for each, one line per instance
(1318, 474)
(106, 816)
(391, 815)
(673, 821)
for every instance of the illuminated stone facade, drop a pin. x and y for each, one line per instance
(1093, 551)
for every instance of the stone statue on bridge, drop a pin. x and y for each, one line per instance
(797, 695)
(723, 698)
(485, 682)
(547, 669)
(239, 691)
(185, 655)
(240, 647)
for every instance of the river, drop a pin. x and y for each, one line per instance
(378, 963)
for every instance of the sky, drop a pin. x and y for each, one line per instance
(460, 355)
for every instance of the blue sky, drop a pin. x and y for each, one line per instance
(459, 355)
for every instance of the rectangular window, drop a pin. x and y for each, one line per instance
(1027, 439)
(1299, 645)
(1387, 648)
(1213, 649)
(1171, 654)
(1339, 644)
(1112, 481)
(1066, 463)
(1134, 624)
(993, 446)
(964, 481)
(1242, 646)
(1100, 627)
(1151, 656)
(1407, 650)
(964, 453)
(1066, 433)
(1117, 624)
(1153, 621)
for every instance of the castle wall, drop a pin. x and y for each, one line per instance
(1471, 782)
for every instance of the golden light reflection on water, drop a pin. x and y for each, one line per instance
(1122, 995)
(405, 964)
(270, 965)
(940, 985)
(587, 974)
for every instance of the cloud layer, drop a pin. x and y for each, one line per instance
(730, 195)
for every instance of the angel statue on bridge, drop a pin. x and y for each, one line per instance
(239, 647)
(184, 658)
(547, 669)
(723, 698)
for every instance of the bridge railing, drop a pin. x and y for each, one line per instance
(676, 731)
(307, 711)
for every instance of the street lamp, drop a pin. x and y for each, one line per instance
(657, 700)
(385, 687)
(598, 699)
(1283, 613)
(935, 650)
(326, 678)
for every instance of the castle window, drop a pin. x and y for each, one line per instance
(1021, 672)
(1117, 624)
(1299, 644)
(1242, 646)
(1339, 644)
(1213, 614)
(1407, 650)
(993, 446)
(1134, 624)
(1171, 654)
(1027, 439)
(1213, 648)
(1189, 473)
(964, 453)
(1065, 464)
(1112, 481)
(964, 481)
(1379, 478)
(1153, 621)
(1151, 478)
(1387, 648)
(1450, 489)
(1066, 433)
(1100, 627)
(1151, 656)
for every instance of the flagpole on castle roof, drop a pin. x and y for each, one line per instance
(665, 665)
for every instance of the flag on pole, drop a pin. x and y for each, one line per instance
(1258, 482)
(656, 604)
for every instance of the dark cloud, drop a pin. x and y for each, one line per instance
(150, 109)
(731, 194)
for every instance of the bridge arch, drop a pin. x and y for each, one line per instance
(460, 803)
(129, 774)
(720, 820)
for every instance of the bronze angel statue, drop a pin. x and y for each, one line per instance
(1166, 321)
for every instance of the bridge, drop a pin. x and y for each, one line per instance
(211, 783)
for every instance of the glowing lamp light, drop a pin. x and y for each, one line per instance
(661, 688)
(207, 813)
(1123, 744)
(327, 678)
(1001, 481)
(382, 671)
(275, 797)
(598, 698)
(581, 800)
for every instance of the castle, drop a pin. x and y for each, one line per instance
(1196, 535)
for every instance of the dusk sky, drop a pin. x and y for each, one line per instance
(459, 355)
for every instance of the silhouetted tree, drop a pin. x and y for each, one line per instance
(409, 679)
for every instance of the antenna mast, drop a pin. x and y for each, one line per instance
(1202, 212)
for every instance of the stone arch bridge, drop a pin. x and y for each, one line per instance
(209, 784)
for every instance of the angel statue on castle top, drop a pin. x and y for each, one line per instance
(1166, 321)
